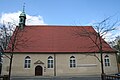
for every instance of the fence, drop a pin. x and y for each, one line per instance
(4, 77)
(111, 77)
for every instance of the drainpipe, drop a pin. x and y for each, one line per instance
(54, 64)
(117, 62)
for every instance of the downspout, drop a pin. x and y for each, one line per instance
(117, 62)
(54, 64)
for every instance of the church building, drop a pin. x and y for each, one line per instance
(51, 50)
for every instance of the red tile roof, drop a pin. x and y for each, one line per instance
(46, 38)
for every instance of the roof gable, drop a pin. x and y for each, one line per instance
(39, 62)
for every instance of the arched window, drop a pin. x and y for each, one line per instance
(27, 62)
(72, 62)
(50, 62)
(107, 60)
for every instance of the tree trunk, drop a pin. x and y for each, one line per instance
(101, 56)
(10, 65)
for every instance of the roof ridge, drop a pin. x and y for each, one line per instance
(56, 26)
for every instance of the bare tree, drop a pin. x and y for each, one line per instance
(102, 28)
(116, 45)
(5, 34)
(12, 38)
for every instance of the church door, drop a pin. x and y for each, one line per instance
(38, 71)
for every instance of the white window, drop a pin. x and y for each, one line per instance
(50, 62)
(27, 62)
(72, 62)
(107, 61)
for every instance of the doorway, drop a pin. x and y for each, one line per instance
(38, 71)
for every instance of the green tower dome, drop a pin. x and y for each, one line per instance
(23, 14)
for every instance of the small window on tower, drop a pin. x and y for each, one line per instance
(21, 20)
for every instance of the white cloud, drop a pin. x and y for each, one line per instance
(118, 28)
(14, 18)
(34, 20)
(110, 36)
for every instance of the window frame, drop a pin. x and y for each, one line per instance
(50, 62)
(72, 63)
(107, 61)
(27, 62)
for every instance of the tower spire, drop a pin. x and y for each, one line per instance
(22, 18)
(24, 7)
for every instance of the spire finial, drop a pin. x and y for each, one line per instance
(22, 18)
(24, 7)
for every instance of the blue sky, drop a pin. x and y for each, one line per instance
(65, 12)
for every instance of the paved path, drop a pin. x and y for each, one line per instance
(55, 78)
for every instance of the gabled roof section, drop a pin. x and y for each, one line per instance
(48, 38)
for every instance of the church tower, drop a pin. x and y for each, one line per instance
(22, 18)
